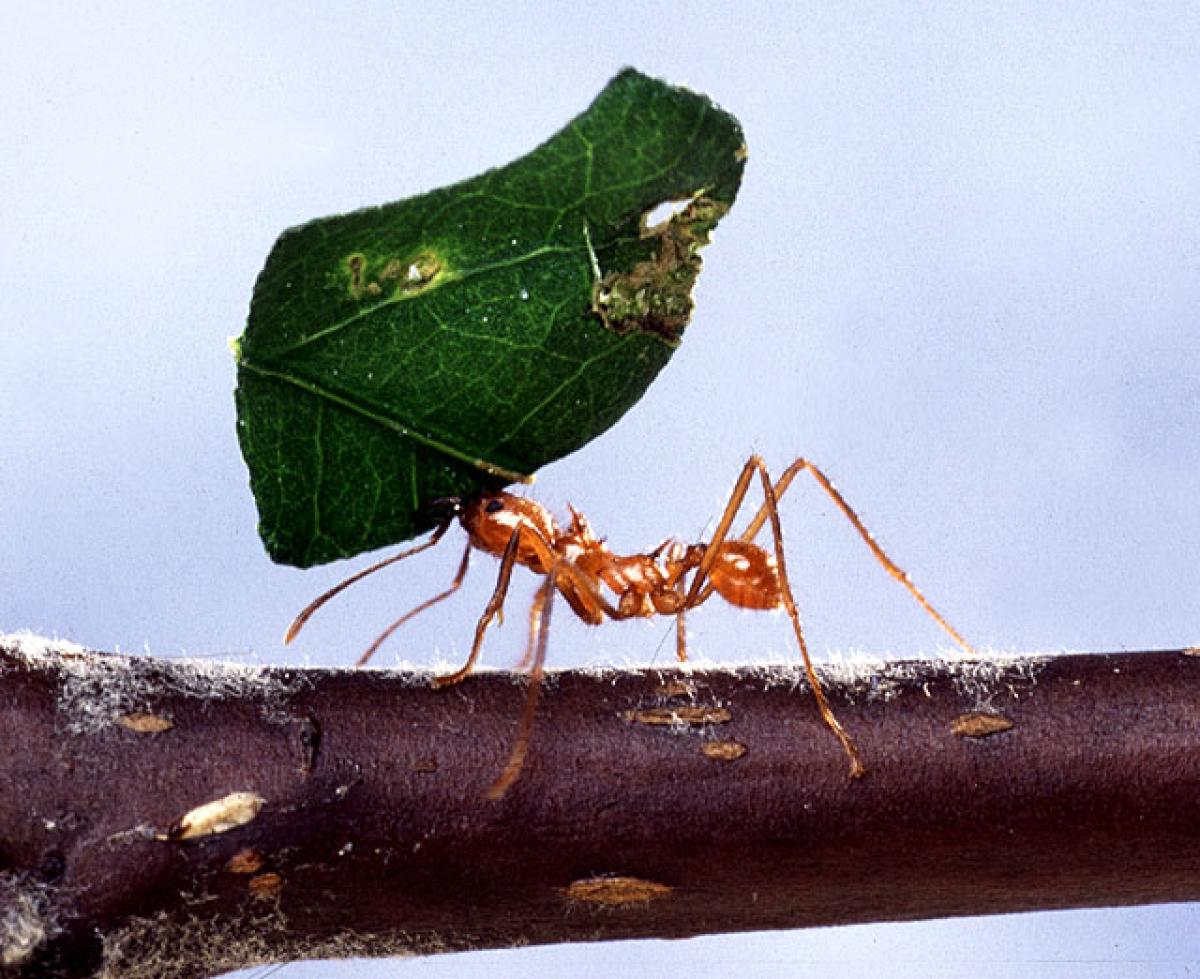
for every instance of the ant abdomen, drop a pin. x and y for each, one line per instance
(746, 576)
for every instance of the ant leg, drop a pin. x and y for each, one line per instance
(736, 498)
(495, 603)
(680, 637)
(857, 769)
(881, 556)
(587, 592)
(386, 634)
(539, 630)
(316, 603)
(535, 659)
(701, 588)
(680, 628)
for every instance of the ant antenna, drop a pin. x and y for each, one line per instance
(386, 634)
(316, 603)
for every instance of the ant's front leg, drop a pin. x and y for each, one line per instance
(493, 608)
(535, 658)
(539, 630)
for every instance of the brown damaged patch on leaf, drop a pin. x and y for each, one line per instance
(145, 723)
(667, 716)
(655, 296)
(979, 725)
(614, 892)
(392, 277)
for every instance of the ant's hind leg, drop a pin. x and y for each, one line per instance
(698, 592)
(893, 569)
(702, 588)
(857, 769)
(494, 605)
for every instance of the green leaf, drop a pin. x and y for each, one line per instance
(455, 342)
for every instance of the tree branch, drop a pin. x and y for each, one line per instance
(361, 827)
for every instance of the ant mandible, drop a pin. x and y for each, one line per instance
(579, 566)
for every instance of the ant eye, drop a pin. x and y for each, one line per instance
(494, 506)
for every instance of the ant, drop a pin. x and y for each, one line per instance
(579, 566)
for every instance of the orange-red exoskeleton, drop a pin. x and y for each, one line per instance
(599, 584)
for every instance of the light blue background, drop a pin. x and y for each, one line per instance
(963, 275)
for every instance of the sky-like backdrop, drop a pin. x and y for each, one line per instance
(962, 275)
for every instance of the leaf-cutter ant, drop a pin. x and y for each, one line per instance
(671, 579)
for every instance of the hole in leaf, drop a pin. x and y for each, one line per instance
(664, 212)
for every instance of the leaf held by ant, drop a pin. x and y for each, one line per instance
(410, 352)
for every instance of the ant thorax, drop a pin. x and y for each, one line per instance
(642, 586)
(741, 572)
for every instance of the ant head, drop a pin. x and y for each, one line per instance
(492, 518)
(488, 508)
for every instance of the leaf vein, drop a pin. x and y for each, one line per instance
(394, 424)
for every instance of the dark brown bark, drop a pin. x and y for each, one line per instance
(373, 836)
